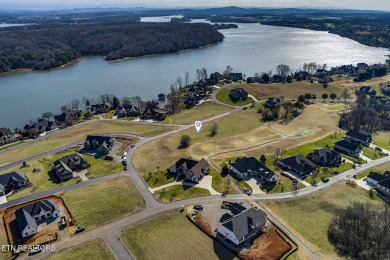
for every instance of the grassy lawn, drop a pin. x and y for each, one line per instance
(338, 107)
(311, 215)
(164, 152)
(109, 114)
(10, 145)
(223, 96)
(152, 238)
(156, 179)
(94, 249)
(3, 240)
(180, 192)
(45, 180)
(288, 91)
(78, 133)
(220, 183)
(200, 112)
(380, 169)
(97, 204)
(382, 139)
(371, 153)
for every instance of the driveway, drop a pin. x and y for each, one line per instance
(254, 182)
(3, 199)
(205, 183)
(365, 185)
(81, 174)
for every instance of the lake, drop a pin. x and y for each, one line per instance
(2, 25)
(249, 49)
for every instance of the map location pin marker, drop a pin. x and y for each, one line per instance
(198, 126)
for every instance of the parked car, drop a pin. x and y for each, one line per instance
(325, 180)
(132, 146)
(124, 163)
(198, 207)
(125, 168)
(79, 229)
(108, 158)
(124, 154)
(124, 158)
(378, 149)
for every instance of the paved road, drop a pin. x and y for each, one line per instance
(110, 233)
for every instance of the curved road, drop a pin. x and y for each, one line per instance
(110, 233)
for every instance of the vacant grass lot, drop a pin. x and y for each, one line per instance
(201, 112)
(89, 250)
(236, 131)
(78, 133)
(3, 240)
(157, 239)
(288, 90)
(371, 153)
(45, 179)
(311, 215)
(382, 139)
(159, 178)
(4, 147)
(180, 192)
(223, 96)
(97, 204)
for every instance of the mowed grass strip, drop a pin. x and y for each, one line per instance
(200, 112)
(4, 254)
(382, 139)
(89, 250)
(97, 204)
(220, 183)
(45, 179)
(180, 192)
(223, 96)
(171, 235)
(311, 215)
(78, 133)
(379, 169)
(371, 153)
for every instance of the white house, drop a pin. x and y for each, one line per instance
(28, 216)
(243, 226)
(6, 136)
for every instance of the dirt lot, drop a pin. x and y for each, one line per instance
(269, 245)
(49, 232)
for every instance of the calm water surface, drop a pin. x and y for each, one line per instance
(251, 48)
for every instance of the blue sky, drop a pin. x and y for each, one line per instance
(349, 4)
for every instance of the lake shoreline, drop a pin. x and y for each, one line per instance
(32, 70)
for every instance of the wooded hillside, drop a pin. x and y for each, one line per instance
(44, 47)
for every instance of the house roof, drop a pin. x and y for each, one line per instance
(251, 163)
(364, 89)
(326, 154)
(360, 135)
(347, 145)
(385, 183)
(298, 162)
(377, 176)
(15, 176)
(238, 93)
(25, 215)
(193, 166)
(5, 132)
(64, 165)
(101, 139)
(245, 222)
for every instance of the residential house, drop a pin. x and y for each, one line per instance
(244, 167)
(273, 102)
(97, 109)
(255, 80)
(43, 125)
(374, 178)
(276, 79)
(325, 157)
(28, 216)
(321, 73)
(127, 110)
(348, 147)
(235, 76)
(384, 186)
(366, 90)
(360, 136)
(298, 164)
(386, 90)
(6, 136)
(192, 100)
(237, 94)
(216, 76)
(244, 226)
(302, 75)
(103, 144)
(12, 181)
(152, 114)
(67, 117)
(64, 167)
(192, 170)
(324, 79)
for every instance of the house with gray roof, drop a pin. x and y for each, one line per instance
(298, 164)
(273, 102)
(244, 167)
(244, 226)
(12, 181)
(325, 157)
(64, 167)
(237, 94)
(6, 136)
(348, 146)
(361, 136)
(103, 144)
(190, 169)
(29, 217)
